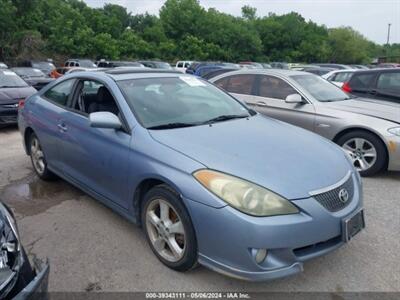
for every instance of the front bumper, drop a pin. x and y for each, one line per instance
(8, 115)
(227, 239)
(393, 146)
(37, 288)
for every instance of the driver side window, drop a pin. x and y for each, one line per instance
(93, 96)
(59, 94)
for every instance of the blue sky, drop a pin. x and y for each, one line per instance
(370, 17)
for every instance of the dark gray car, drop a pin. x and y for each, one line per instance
(368, 130)
(13, 89)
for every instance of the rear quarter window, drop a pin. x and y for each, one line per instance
(59, 94)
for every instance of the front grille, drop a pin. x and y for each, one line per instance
(331, 200)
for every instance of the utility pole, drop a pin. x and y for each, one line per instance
(387, 42)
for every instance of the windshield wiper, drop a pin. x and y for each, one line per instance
(225, 118)
(172, 125)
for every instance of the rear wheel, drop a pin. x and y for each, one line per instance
(169, 229)
(38, 159)
(366, 151)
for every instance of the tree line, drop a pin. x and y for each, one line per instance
(32, 29)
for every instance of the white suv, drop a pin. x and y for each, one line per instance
(182, 65)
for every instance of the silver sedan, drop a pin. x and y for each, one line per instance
(368, 130)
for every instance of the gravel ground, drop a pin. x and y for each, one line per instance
(91, 248)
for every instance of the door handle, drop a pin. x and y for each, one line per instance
(261, 103)
(62, 127)
(373, 92)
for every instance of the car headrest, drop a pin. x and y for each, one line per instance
(103, 95)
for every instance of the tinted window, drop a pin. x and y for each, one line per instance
(320, 89)
(361, 81)
(389, 81)
(183, 99)
(222, 83)
(60, 93)
(272, 87)
(240, 84)
(180, 65)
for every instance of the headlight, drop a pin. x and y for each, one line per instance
(243, 195)
(395, 131)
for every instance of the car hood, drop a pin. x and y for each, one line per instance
(283, 158)
(374, 108)
(13, 95)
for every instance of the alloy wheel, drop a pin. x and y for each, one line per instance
(165, 230)
(37, 156)
(361, 152)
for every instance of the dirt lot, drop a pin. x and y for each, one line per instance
(92, 248)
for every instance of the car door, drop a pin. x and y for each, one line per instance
(362, 83)
(388, 86)
(46, 113)
(239, 86)
(271, 93)
(94, 157)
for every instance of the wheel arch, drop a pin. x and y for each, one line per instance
(28, 132)
(146, 185)
(377, 135)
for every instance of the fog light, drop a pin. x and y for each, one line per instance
(261, 254)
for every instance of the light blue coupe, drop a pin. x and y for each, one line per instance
(210, 180)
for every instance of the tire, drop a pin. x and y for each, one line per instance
(361, 147)
(42, 171)
(162, 196)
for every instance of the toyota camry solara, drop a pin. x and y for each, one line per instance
(210, 180)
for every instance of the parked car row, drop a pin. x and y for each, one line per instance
(200, 170)
(368, 130)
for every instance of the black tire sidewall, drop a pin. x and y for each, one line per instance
(189, 260)
(381, 158)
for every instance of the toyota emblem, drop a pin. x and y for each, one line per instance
(343, 195)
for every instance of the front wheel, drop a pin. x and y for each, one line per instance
(168, 229)
(366, 151)
(38, 159)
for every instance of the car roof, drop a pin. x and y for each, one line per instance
(377, 70)
(134, 73)
(277, 72)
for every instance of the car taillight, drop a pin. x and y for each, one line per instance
(21, 103)
(346, 87)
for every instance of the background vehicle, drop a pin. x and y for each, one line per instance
(45, 66)
(361, 67)
(279, 65)
(33, 77)
(379, 84)
(217, 72)
(3, 65)
(84, 63)
(339, 77)
(117, 63)
(13, 89)
(156, 64)
(334, 66)
(318, 70)
(171, 161)
(388, 65)
(57, 73)
(368, 131)
(182, 65)
(17, 277)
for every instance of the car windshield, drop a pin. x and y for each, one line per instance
(29, 72)
(11, 79)
(170, 102)
(320, 89)
(44, 65)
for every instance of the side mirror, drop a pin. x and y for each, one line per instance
(104, 119)
(294, 98)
